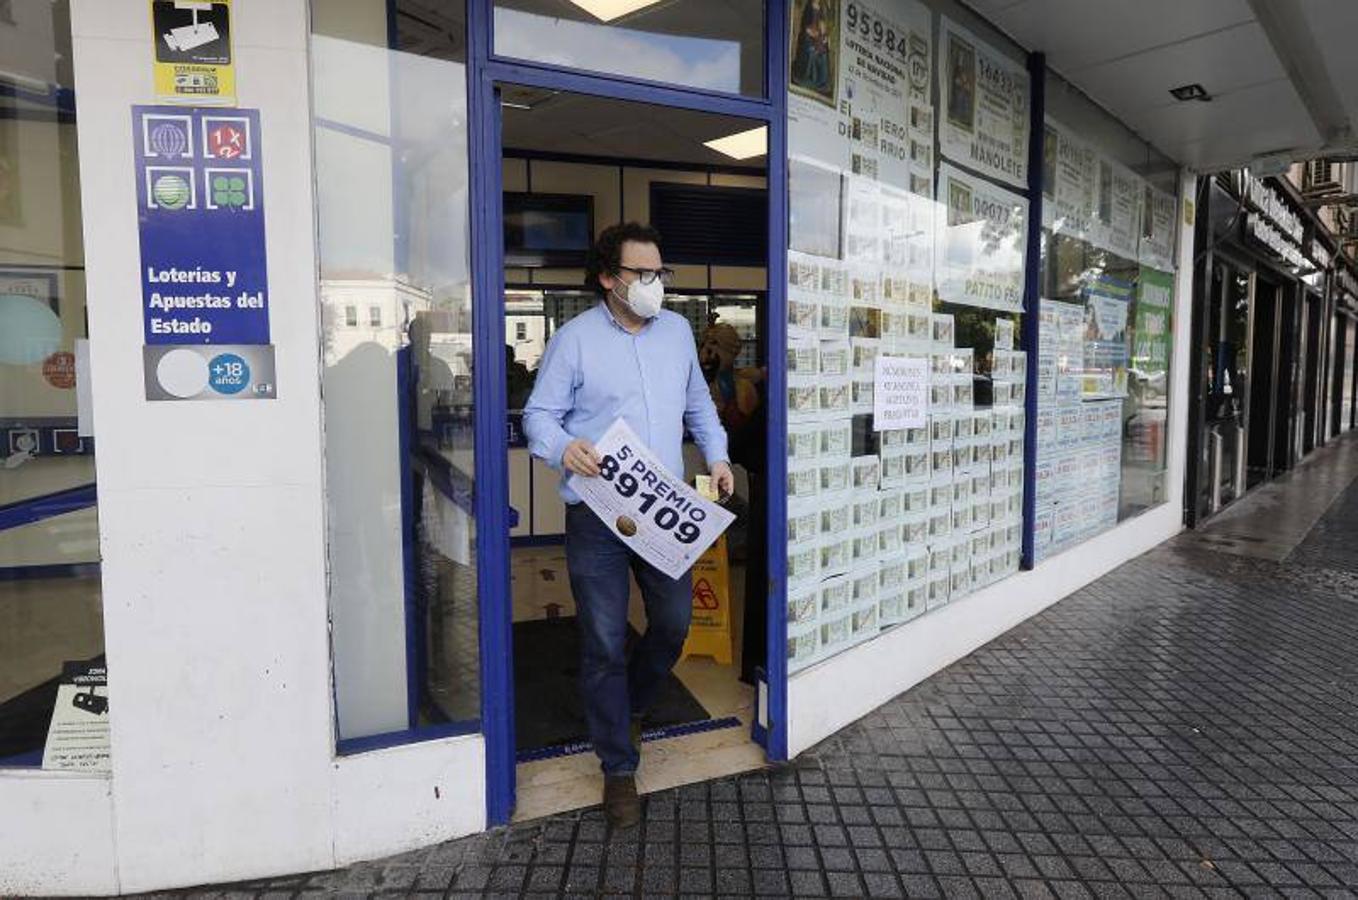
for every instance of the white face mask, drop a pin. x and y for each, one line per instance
(642, 299)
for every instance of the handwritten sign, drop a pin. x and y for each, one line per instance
(653, 512)
(900, 393)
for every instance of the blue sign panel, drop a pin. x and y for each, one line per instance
(200, 208)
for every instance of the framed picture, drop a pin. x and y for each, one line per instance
(814, 50)
(1051, 148)
(961, 83)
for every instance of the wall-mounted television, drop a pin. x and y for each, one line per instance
(548, 229)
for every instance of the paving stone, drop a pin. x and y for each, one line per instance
(658, 879)
(844, 884)
(807, 884)
(770, 882)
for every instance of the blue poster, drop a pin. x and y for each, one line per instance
(200, 211)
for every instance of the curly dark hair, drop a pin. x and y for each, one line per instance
(606, 255)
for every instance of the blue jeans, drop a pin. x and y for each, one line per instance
(615, 690)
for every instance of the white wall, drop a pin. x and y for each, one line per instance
(826, 697)
(213, 546)
(56, 835)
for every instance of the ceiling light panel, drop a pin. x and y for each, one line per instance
(608, 10)
(742, 144)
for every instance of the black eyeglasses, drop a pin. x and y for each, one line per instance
(646, 276)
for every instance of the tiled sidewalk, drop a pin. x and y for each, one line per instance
(1186, 726)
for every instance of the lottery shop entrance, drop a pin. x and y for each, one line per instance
(571, 165)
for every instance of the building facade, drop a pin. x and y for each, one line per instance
(266, 521)
(1273, 322)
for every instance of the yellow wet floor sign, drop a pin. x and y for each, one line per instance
(710, 632)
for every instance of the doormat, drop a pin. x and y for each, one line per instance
(650, 734)
(549, 715)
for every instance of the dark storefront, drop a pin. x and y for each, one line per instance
(1273, 350)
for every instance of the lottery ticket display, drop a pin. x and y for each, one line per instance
(1079, 437)
(905, 443)
(884, 525)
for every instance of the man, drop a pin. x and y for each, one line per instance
(625, 358)
(735, 392)
(738, 396)
(518, 378)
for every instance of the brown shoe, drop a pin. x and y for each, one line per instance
(622, 806)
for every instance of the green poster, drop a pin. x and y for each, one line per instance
(1152, 325)
(9, 173)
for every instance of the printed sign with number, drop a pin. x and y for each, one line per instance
(653, 512)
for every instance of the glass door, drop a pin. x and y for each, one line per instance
(1339, 329)
(580, 118)
(1285, 409)
(1228, 396)
(1263, 351)
(1315, 354)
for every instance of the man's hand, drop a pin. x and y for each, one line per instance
(581, 458)
(724, 479)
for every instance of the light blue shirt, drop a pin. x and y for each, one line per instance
(595, 371)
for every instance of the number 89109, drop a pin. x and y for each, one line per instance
(665, 517)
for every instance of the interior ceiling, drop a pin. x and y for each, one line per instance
(1283, 76)
(573, 123)
(730, 19)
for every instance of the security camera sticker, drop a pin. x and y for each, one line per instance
(192, 32)
(193, 63)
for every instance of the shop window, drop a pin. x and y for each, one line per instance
(905, 271)
(1347, 411)
(1338, 344)
(389, 86)
(712, 46)
(54, 705)
(1106, 324)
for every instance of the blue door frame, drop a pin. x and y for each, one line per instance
(485, 71)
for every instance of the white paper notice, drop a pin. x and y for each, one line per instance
(78, 738)
(981, 256)
(1004, 334)
(901, 393)
(983, 106)
(84, 399)
(654, 513)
